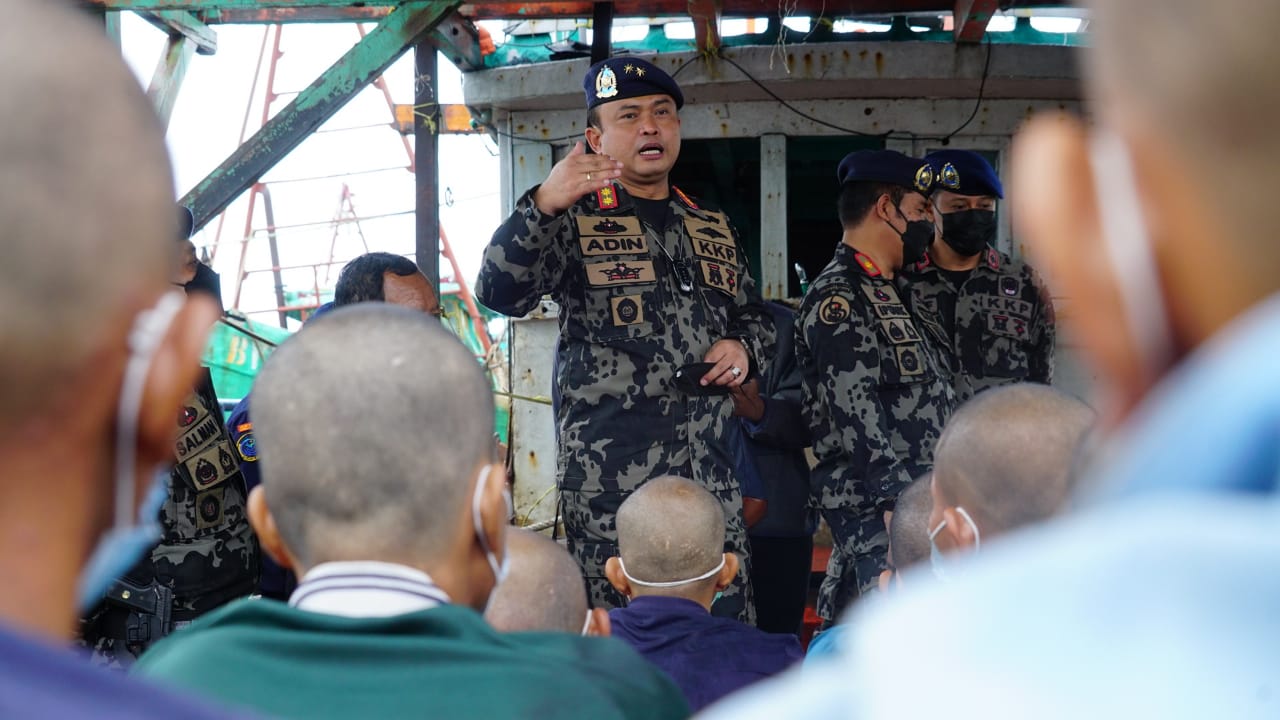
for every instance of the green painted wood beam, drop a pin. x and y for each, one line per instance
(179, 22)
(169, 74)
(405, 26)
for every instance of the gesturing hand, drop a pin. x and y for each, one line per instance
(574, 176)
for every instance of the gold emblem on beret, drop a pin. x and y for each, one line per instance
(606, 83)
(950, 177)
(924, 178)
(628, 68)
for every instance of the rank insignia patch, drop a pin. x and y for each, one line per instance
(867, 264)
(603, 274)
(607, 198)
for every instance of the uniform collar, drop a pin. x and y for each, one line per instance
(366, 589)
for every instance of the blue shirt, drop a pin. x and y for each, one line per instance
(38, 680)
(1159, 600)
(707, 656)
(274, 581)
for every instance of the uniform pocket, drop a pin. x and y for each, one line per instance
(622, 312)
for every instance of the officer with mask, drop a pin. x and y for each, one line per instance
(875, 396)
(988, 313)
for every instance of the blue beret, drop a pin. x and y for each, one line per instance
(964, 172)
(886, 166)
(627, 77)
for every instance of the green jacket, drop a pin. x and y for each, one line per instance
(445, 662)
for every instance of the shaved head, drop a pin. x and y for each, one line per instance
(1006, 455)
(369, 423)
(86, 199)
(670, 529)
(1218, 107)
(909, 527)
(543, 590)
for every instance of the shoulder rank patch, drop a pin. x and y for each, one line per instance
(834, 310)
(867, 264)
(607, 197)
(684, 198)
(603, 274)
(993, 259)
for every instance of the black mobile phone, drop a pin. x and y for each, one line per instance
(687, 379)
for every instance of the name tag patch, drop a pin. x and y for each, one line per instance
(608, 274)
(720, 276)
(886, 311)
(627, 310)
(611, 236)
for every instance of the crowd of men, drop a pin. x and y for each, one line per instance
(999, 548)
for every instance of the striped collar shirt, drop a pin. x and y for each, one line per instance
(366, 589)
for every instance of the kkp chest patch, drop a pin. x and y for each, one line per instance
(711, 241)
(720, 276)
(611, 236)
(627, 309)
(1006, 306)
(1010, 326)
(630, 272)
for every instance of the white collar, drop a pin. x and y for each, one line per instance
(366, 589)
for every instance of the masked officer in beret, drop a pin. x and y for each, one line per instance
(875, 396)
(648, 281)
(989, 314)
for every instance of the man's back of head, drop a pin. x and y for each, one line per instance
(1004, 461)
(386, 277)
(370, 424)
(542, 591)
(671, 542)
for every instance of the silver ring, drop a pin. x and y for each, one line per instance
(588, 177)
(735, 370)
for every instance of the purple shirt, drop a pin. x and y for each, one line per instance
(42, 681)
(707, 656)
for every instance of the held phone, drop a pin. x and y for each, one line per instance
(687, 380)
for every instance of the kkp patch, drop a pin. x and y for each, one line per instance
(720, 276)
(247, 447)
(627, 309)
(834, 310)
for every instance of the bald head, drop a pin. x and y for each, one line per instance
(86, 200)
(670, 529)
(1218, 108)
(1006, 455)
(370, 423)
(543, 589)
(909, 528)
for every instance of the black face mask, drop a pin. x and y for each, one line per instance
(916, 239)
(969, 232)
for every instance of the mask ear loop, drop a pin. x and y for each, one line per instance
(977, 536)
(144, 339)
(1128, 247)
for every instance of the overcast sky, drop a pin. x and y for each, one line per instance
(205, 129)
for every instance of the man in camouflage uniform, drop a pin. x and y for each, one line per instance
(647, 281)
(989, 315)
(208, 554)
(874, 395)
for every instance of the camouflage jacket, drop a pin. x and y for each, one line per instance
(874, 395)
(996, 328)
(208, 554)
(626, 326)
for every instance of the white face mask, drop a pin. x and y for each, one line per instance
(671, 583)
(937, 561)
(130, 536)
(1128, 246)
(499, 568)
